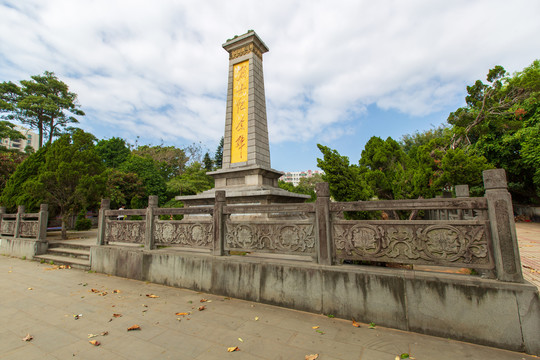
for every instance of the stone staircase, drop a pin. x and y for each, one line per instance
(66, 253)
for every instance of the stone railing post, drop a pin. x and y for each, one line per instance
(503, 229)
(17, 230)
(2, 212)
(105, 205)
(219, 224)
(322, 218)
(462, 191)
(43, 219)
(149, 232)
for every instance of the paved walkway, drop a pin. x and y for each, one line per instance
(43, 301)
(529, 249)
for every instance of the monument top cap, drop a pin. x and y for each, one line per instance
(242, 40)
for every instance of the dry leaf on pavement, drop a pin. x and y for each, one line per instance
(95, 342)
(134, 327)
(28, 337)
(355, 324)
(116, 291)
(233, 348)
(202, 307)
(315, 327)
(312, 357)
(181, 314)
(117, 315)
(152, 296)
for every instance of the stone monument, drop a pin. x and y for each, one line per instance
(246, 174)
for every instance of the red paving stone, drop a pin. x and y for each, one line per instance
(529, 249)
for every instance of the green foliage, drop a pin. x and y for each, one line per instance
(193, 181)
(170, 161)
(344, 180)
(72, 176)
(17, 192)
(208, 163)
(218, 157)
(383, 168)
(124, 188)
(113, 151)
(9, 160)
(149, 173)
(82, 223)
(43, 103)
(500, 122)
(8, 131)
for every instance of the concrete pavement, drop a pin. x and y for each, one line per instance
(41, 300)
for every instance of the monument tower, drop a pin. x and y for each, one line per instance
(246, 174)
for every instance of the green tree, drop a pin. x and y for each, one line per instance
(124, 188)
(218, 156)
(71, 178)
(149, 172)
(113, 151)
(499, 122)
(9, 160)
(193, 181)
(43, 103)
(16, 191)
(170, 161)
(343, 179)
(383, 167)
(208, 163)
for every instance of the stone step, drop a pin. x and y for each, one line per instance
(62, 260)
(70, 253)
(69, 245)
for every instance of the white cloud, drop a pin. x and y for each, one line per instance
(157, 69)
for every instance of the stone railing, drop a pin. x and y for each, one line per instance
(24, 225)
(476, 233)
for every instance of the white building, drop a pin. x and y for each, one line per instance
(32, 139)
(295, 176)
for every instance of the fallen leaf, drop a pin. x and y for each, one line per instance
(312, 357)
(117, 315)
(181, 314)
(355, 324)
(203, 300)
(92, 335)
(256, 318)
(105, 333)
(103, 293)
(372, 325)
(95, 342)
(145, 305)
(315, 327)
(30, 289)
(152, 296)
(28, 337)
(240, 339)
(116, 291)
(134, 327)
(320, 332)
(76, 317)
(202, 307)
(94, 290)
(234, 348)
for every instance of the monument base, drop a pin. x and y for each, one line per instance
(252, 184)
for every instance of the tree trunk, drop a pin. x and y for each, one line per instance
(64, 230)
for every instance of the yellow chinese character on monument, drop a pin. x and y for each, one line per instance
(239, 131)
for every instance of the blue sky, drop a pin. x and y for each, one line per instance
(337, 73)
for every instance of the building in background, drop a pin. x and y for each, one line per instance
(32, 139)
(295, 176)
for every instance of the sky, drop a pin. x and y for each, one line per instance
(337, 73)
